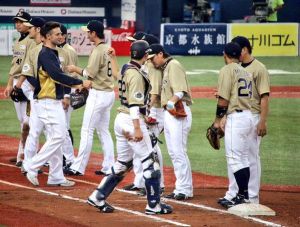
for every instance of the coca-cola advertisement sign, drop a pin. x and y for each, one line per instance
(119, 41)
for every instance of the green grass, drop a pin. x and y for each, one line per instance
(279, 150)
(203, 62)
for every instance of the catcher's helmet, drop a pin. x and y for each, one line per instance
(138, 49)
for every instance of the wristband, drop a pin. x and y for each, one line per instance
(170, 105)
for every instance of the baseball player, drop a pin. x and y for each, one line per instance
(132, 137)
(48, 94)
(154, 120)
(259, 109)
(30, 69)
(20, 48)
(174, 88)
(99, 103)
(234, 101)
(71, 54)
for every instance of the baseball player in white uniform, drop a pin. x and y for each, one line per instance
(132, 137)
(71, 54)
(99, 102)
(174, 88)
(154, 120)
(30, 69)
(48, 94)
(20, 49)
(259, 109)
(234, 116)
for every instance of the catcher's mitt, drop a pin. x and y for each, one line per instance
(178, 111)
(78, 99)
(214, 135)
(17, 95)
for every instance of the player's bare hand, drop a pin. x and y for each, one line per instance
(127, 135)
(66, 103)
(111, 52)
(138, 135)
(87, 84)
(70, 68)
(262, 128)
(217, 124)
(8, 91)
(216, 94)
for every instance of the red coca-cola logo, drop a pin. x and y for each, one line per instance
(120, 37)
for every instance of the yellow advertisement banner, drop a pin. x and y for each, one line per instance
(269, 39)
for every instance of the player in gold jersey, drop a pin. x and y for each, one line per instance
(234, 105)
(175, 88)
(259, 109)
(99, 102)
(20, 49)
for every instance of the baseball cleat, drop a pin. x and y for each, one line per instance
(100, 172)
(102, 206)
(67, 183)
(33, 179)
(131, 187)
(71, 172)
(226, 203)
(141, 192)
(239, 199)
(179, 196)
(160, 208)
(19, 163)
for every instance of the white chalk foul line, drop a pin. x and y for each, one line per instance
(156, 218)
(200, 206)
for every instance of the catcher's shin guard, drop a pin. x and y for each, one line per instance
(152, 175)
(110, 181)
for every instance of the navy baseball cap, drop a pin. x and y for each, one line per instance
(233, 50)
(35, 22)
(63, 29)
(94, 25)
(22, 16)
(243, 42)
(136, 36)
(155, 49)
(151, 39)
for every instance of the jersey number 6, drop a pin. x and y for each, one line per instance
(109, 70)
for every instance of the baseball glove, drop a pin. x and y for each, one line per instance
(78, 99)
(214, 135)
(178, 111)
(17, 95)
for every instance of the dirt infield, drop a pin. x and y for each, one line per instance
(276, 92)
(21, 204)
(208, 92)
